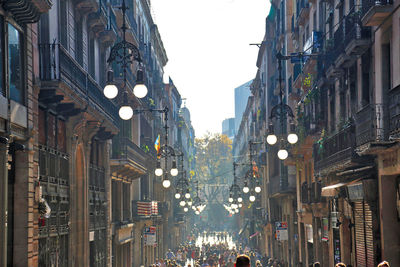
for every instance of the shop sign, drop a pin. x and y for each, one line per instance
(150, 237)
(309, 232)
(281, 231)
(336, 251)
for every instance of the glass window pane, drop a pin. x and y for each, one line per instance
(2, 88)
(14, 65)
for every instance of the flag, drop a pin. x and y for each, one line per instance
(157, 145)
(144, 208)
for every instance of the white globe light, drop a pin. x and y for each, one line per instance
(177, 195)
(236, 210)
(140, 90)
(235, 206)
(158, 172)
(252, 198)
(197, 212)
(187, 195)
(110, 91)
(166, 183)
(246, 189)
(257, 189)
(272, 139)
(182, 203)
(125, 112)
(283, 154)
(193, 208)
(240, 199)
(185, 209)
(240, 205)
(174, 171)
(292, 138)
(230, 200)
(190, 203)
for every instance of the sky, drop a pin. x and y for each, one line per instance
(209, 53)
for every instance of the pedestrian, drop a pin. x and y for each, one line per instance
(317, 264)
(230, 263)
(258, 263)
(340, 264)
(384, 264)
(242, 261)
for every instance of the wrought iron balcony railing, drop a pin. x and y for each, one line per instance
(335, 149)
(57, 65)
(370, 124)
(394, 111)
(373, 12)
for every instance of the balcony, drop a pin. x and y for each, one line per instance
(282, 185)
(86, 6)
(336, 151)
(374, 12)
(303, 11)
(394, 112)
(370, 124)
(357, 38)
(179, 218)
(128, 160)
(97, 21)
(62, 75)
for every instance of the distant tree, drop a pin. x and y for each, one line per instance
(214, 172)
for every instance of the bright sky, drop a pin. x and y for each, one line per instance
(207, 43)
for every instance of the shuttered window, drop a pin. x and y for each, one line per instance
(364, 234)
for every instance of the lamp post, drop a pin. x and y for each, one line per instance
(165, 151)
(124, 53)
(281, 111)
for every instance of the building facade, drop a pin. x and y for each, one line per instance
(338, 191)
(74, 173)
(228, 127)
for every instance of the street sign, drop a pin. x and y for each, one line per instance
(150, 238)
(281, 231)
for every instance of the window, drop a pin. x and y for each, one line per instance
(15, 77)
(91, 57)
(2, 88)
(79, 41)
(63, 22)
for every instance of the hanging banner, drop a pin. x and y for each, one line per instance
(325, 229)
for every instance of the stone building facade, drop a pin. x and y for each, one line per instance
(64, 145)
(339, 189)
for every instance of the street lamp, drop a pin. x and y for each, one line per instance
(246, 188)
(124, 53)
(177, 195)
(187, 195)
(165, 151)
(281, 111)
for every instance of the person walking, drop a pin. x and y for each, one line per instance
(243, 261)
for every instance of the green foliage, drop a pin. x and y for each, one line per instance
(213, 157)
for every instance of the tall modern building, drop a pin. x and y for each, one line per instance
(242, 93)
(228, 127)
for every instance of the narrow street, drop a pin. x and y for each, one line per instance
(201, 133)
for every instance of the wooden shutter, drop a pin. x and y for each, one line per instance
(364, 234)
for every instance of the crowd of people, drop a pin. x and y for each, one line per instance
(220, 255)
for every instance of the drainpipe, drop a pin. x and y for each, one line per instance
(3, 199)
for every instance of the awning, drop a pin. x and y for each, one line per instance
(331, 190)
